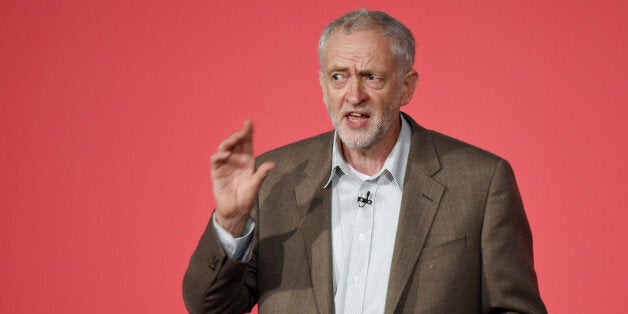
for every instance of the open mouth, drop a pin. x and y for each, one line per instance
(356, 119)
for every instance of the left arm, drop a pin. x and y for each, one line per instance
(509, 283)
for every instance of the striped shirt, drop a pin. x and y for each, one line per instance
(363, 232)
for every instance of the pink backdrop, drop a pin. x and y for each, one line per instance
(109, 111)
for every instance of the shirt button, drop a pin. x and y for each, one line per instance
(361, 236)
(356, 280)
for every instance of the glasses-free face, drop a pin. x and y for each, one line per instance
(362, 88)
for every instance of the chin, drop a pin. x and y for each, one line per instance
(358, 139)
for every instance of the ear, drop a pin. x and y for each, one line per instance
(408, 85)
(321, 81)
(320, 78)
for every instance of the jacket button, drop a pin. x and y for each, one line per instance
(214, 263)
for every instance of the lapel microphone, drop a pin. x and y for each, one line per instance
(363, 201)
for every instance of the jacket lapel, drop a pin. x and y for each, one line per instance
(314, 204)
(420, 201)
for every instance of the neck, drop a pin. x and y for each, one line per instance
(370, 160)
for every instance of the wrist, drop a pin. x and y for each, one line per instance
(234, 225)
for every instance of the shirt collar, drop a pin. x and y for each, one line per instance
(395, 163)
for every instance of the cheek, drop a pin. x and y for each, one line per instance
(332, 97)
(329, 103)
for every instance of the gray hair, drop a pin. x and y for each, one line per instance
(401, 38)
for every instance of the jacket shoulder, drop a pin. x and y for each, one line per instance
(448, 146)
(446, 149)
(458, 157)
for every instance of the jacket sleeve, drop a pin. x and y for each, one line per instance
(509, 283)
(215, 283)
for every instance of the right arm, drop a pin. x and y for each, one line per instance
(213, 281)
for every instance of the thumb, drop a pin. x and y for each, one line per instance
(262, 171)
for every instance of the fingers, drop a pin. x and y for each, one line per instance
(219, 159)
(239, 142)
(263, 170)
(261, 173)
(247, 146)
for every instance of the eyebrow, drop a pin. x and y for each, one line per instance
(339, 69)
(361, 72)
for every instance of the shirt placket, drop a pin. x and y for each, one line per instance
(361, 247)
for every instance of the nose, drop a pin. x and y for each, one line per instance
(355, 92)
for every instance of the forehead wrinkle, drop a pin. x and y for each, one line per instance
(343, 55)
(356, 62)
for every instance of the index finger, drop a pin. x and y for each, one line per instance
(240, 141)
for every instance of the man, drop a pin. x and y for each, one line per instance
(379, 216)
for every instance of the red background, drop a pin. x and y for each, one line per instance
(109, 111)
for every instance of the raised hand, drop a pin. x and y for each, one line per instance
(235, 179)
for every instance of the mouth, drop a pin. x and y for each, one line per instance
(356, 119)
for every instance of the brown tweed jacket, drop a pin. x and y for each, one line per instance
(463, 243)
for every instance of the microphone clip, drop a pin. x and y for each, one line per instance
(364, 201)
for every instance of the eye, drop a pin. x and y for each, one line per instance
(338, 79)
(374, 81)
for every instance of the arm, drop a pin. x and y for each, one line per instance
(509, 281)
(213, 281)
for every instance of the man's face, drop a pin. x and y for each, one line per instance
(362, 88)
